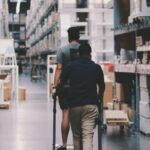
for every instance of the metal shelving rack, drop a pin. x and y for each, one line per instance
(82, 16)
(38, 53)
(8, 64)
(44, 34)
(47, 12)
(51, 65)
(125, 37)
(125, 73)
(45, 15)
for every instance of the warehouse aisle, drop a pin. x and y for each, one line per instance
(25, 126)
(28, 125)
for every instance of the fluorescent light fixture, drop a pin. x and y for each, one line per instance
(18, 7)
(106, 1)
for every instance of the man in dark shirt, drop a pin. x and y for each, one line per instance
(84, 76)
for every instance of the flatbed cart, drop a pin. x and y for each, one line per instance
(116, 118)
(110, 118)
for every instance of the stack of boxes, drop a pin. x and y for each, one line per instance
(5, 90)
(108, 93)
(22, 93)
(108, 73)
(123, 94)
(118, 102)
(50, 41)
(145, 104)
(30, 13)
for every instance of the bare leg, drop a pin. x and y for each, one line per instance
(65, 126)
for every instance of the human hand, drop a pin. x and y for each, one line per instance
(54, 92)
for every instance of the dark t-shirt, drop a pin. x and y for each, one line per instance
(84, 75)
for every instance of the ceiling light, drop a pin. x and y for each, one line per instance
(18, 7)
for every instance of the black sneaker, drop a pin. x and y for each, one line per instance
(62, 148)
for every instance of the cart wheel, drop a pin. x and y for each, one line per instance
(122, 127)
(104, 127)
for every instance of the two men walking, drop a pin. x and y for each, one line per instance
(80, 79)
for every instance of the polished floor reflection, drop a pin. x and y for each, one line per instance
(28, 125)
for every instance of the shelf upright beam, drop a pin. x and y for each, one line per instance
(48, 80)
(51, 65)
(137, 96)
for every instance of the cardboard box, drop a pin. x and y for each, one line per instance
(6, 86)
(139, 41)
(124, 107)
(128, 110)
(1, 91)
(108, 93)
(7, 93)
(130, 113)
(145, 95)
(145, 109)
(119, 92)
(22, 93)
(144, 125)
(7, 81)
(110, 105)
(113, 106)
(144, 81)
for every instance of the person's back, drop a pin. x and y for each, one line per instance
(84, 76)
(64, 56)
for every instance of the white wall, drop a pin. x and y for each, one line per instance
(66, 21)
(96, 34)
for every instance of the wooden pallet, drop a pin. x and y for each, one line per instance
(116, 117)
(4, 105)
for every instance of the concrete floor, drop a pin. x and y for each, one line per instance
(28, 125)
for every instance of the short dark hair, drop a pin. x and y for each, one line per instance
(85, 49)
(73, 33)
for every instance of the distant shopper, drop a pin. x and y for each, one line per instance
(64, 56)
(84, 76)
